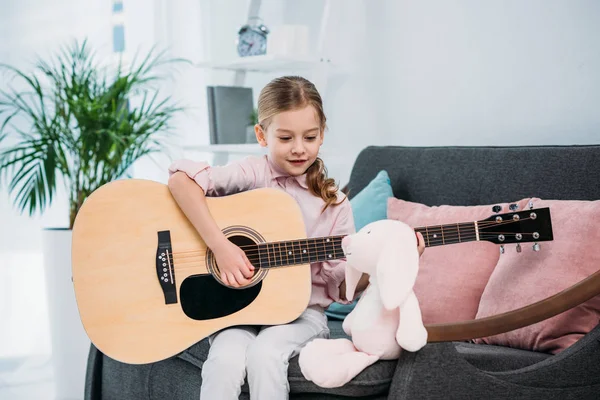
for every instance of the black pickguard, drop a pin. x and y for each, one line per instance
(202, 297)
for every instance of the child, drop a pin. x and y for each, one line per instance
(291, 125)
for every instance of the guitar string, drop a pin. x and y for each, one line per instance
(449, 234)
(470, 227)
(254, 250)
(255, 259)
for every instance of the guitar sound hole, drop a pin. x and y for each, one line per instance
(203, 297)
(249, 247)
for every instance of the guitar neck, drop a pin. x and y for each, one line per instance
(294, 252)
(328, 248)
(439, 235)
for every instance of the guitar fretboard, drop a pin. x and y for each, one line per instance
(438, 235)
(294, 252)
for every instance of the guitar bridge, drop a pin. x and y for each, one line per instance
(165, 269)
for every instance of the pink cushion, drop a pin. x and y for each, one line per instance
(524, 278)
(452, 277)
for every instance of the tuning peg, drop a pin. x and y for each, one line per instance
(501, 249)
(531, 204)
(518, 247)
(536, 246)
(513, 207)
(497, 209)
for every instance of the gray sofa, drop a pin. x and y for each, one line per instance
(451, 370)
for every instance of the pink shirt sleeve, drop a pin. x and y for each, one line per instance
(334, 272)
(235, 177)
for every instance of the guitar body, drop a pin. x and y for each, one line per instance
(139, 305)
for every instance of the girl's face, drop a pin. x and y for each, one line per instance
(293, 138)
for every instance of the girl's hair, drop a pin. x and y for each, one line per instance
(291, 93)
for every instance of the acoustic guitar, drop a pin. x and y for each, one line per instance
(147, 286)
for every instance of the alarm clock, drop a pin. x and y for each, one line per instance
(252, 38)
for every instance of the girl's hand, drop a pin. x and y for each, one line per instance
(420, 243)
(236, 269)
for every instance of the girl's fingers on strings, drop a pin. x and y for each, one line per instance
(248, 263)
(240, 280)
(247, 273)
(231, 280)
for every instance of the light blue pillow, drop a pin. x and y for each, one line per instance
(369, 205)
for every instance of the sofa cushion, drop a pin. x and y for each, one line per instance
(524, 278)
(370, 204)
(451, 278)
(374, 380)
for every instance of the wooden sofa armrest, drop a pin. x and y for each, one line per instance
(508, 321)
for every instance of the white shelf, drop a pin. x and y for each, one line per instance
(265, 63)
(249, 148)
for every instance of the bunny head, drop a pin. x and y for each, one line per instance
(387, 251)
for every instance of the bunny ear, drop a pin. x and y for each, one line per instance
(352, 277)
(397, 267)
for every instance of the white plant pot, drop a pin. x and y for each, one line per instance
(70, 344)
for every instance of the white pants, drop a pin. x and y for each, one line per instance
(264, 352)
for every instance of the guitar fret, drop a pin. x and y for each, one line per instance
(272, 255)
(334, 246)
(329, 252)
(458, 230)
(306, 252)
(297, 253)
(260, 263)
(268, 255)
(442, 230)
(314, 254)
(287, 258)
(296, 261)
(280, 254)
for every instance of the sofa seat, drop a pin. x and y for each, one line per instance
(497, 358)
(373, 381)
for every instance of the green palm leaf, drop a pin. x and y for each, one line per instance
(73, 119)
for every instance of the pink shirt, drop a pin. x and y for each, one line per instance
(260, 172)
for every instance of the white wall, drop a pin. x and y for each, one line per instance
(439, 72)
(473, 72)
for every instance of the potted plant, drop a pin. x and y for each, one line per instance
(72, 122)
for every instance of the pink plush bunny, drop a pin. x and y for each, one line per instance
(386, 319)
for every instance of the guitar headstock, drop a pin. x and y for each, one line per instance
(533, 225)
